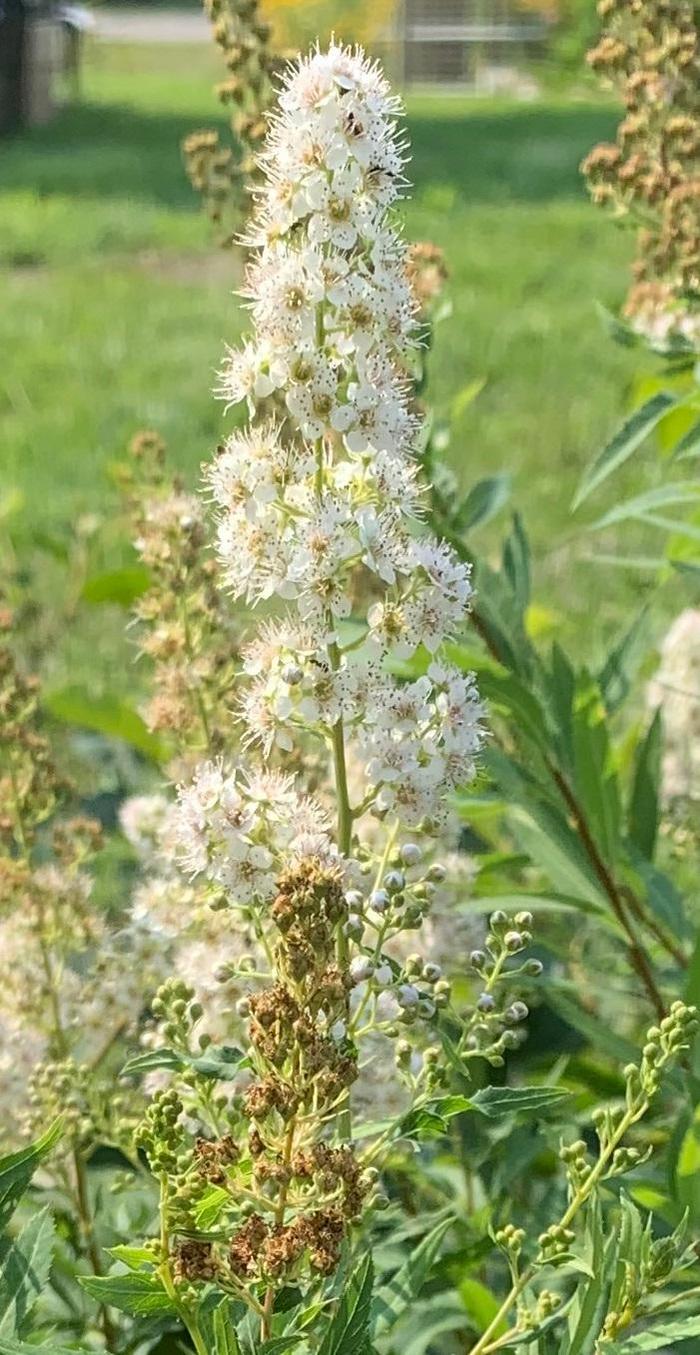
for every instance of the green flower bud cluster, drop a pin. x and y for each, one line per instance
(160, 1134)
(494, 1024)
(177, 1012)
(511, 1239)
(532, 1316)
(61, 1089)
(402, 900)
(554, 1243)
(575, 1158)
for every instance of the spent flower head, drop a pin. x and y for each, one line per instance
(650, 52)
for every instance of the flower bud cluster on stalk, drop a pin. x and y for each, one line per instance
(586, 1172)
(650, 52)
(184, 627)
(221, 174)
(319, 827)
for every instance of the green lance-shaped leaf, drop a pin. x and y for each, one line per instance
(17, 1170)
(485, 499)
(688, 446)
(643, 815)
(642, 505)
(657, 1337)
(136, 1293)
(120, 586)
(107, 715)
(497, 1101)
(394, 1298)
(24, 1271)
(9, 1346)
(347, 1332)
(219, 1062)
(626, 441)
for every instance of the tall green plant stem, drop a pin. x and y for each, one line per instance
(184, 1312)
(344, 811)
(635, 1111)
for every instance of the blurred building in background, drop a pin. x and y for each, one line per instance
(484, 45)
(40, 48)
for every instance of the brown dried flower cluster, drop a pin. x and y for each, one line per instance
(218, 172)
(427, 273)
(29, 781)
(184, 624)
(650, 52)
(292, 1196)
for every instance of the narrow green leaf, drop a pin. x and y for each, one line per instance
(25, 1272)
(220, 1062)
(644, 803)
(595, 779)
(497, 1101)
(686, 567)
(516, 562)
(515, 903)
(662, 497)
(107, 715)
(622, 663)
(689, 444)
(347, 1331)
(630, 436)
(466, 396)
(430, 1121)
(658, 1336)
(136, 1293)
(154, 1058)
(598, 1034)
(136, 1258)
(394, 1298)
(485, 499)
(589, 1306)
(480, 1304)
(434, 1318)
(17, 1169)
(12, 1347)
(121, 586)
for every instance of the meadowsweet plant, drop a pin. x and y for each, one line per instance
(221, 173)
(649, 52)
(323, 832)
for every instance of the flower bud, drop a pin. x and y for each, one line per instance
(361, 969)
(379, 900)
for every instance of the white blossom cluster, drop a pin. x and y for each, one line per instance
(319, 506)
(202, 946)
(238, 829)
(676, 690)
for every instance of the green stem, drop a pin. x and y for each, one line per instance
(585, 1190)
(187, 1317)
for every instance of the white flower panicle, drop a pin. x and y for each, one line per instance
(238, 829)
(320, 508)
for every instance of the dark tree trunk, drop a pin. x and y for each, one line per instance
(12, 36)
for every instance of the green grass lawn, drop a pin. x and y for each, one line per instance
(117, 304)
